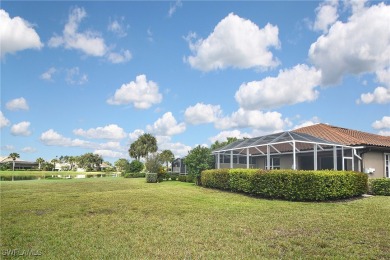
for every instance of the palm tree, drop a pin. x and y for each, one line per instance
(135, 150)
(144, 145)
(54, 161)
(167, 156)
(40, 160)
(72, 160)
(13, 156)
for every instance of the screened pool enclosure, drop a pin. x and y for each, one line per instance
(288, 150)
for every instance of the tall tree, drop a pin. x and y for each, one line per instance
(135, 150)
(122, 164)
(13, 156)
(144, 145)
(72, 160)
(167, 156)
(54, 161)
(90, 161)
(198, 160)
(40, 161)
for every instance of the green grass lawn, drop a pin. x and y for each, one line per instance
(117, 218)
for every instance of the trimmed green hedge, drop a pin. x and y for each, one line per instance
(134, 175)
(288, 184)
(379, 186)
(186, 178)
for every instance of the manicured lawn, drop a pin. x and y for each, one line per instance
(117, 218)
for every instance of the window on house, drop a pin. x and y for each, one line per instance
(275, 163)
(387, 165)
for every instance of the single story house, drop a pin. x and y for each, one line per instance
(19, 164)
(314, 147)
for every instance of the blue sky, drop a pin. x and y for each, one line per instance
(81, 77)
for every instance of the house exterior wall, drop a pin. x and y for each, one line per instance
(236, 165)
(374, 160)
(286, 161)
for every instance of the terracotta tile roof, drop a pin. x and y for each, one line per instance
(344, 135)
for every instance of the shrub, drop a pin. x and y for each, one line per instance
(379, 187)
(134, 175)
(198, 160)
(289, 184)
(240, 180)
(218, 178)
(151, 177)
(162, 174)
(135, 166)
(190, 178)
(153, 163)
(182, 178)
(173, 176)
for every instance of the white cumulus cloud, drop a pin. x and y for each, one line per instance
(222, 136)
(326, 15)
(110, 153)
(383, 76)
(381, 95)
(382, 124)
(291, 86)
(22, 129)
(313, 121)
(109, 149)
(141, 93)
(52, 138)
(111, 131)
(177, 148)
(135, 134)
(89, 42)
(17, 104)
(47, 75)
(266, 121)
(16, 34)
(29, 149)
(3, 121)
(119, 57)
(360, 45)
(166, 125)
(235, 42)
(202, 113)
(384, 133)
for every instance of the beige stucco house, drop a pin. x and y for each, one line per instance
(315, 147)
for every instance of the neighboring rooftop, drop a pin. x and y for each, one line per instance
(344, 135)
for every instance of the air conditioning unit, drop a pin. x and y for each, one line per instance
(369, 170)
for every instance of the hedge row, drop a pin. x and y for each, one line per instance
(379, 187)
(134, 175)
(186, 178)
(288, 184)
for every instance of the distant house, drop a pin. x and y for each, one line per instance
(19, 164)
(178, 166)
(315, 147)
